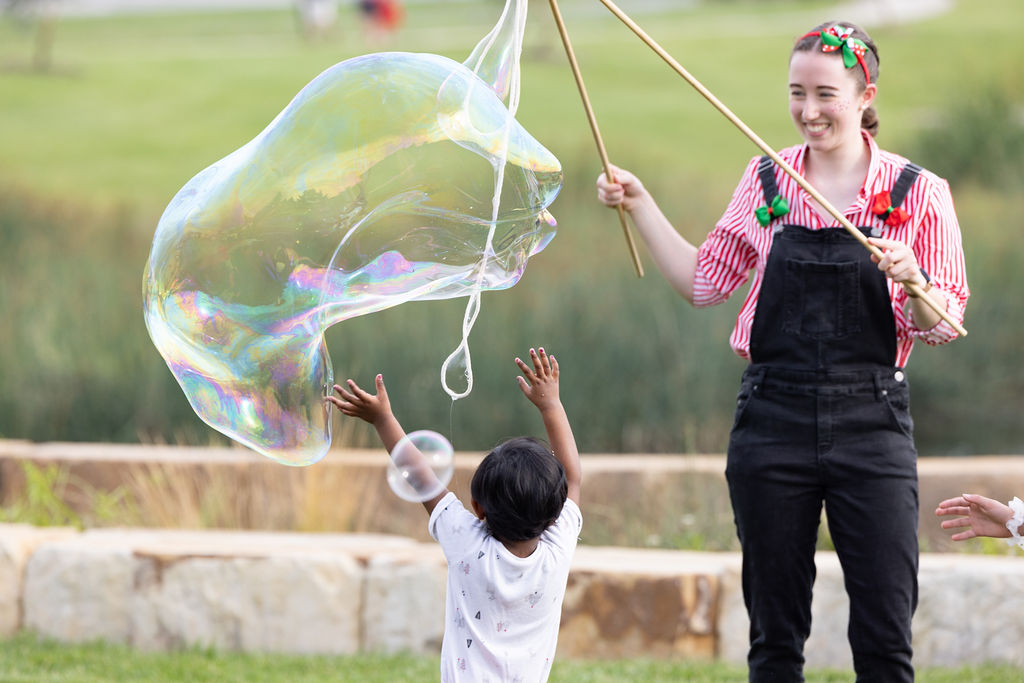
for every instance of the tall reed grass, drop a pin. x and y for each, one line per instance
(642, 372)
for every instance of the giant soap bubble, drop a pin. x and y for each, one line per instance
(389, 178)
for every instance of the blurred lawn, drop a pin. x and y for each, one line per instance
(139, 104)
(90, 155)
(25, 659)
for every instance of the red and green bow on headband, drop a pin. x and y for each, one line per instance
(778, 208)
(838, 37)
(881, 206)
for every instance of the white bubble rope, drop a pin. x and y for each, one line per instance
(473, 305)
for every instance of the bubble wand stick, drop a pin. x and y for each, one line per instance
(915, 289)
(602, 152)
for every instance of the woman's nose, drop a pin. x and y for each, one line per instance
(811, 110)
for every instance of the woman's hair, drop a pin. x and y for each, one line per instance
(521, 487)
(812, 42)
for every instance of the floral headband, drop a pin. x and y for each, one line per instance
(854, 49)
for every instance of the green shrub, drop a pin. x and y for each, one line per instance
(43, 503)
(978, 140)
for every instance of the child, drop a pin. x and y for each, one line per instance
(985, 517)
(508, 560)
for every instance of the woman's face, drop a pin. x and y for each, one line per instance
(825, 100)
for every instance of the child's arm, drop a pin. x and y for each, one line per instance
(540, 385)
(355, 402)
(985, 517)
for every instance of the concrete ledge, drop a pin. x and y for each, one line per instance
(629, 500)
(346, 593)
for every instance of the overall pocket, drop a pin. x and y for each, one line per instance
(821, 300)
(748, 387)
(897, 401)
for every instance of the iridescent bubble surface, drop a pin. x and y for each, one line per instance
(420, 466)
(390, 177)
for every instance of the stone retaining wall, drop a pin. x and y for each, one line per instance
(381, 589)
(347, 593)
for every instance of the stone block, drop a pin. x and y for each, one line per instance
(252, 591)
(164, 589)
(77, 592)
(969, 610)
(733, 623)
(641, 603)
(17, 543)
(403, 600)
(272, 603)
(828, 646)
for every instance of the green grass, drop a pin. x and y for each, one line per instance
(139, 104)
(92, 152)
(24, 658)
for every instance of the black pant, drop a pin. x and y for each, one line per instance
(845, 439)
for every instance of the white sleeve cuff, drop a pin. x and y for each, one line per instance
(1015, 522)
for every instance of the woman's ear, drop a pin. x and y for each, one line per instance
(867, 98)
(477, 509)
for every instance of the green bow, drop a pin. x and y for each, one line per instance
(837, 37)
(778, 208)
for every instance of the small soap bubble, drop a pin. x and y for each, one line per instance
(421, 465)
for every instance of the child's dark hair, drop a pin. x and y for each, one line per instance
(812, 41)
(521, 487)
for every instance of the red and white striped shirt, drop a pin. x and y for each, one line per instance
(739, 244)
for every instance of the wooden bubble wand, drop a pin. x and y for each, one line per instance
(915, 289)
(597, 133)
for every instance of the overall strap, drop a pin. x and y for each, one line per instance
(766, 172)
(775, 205)
(886, 204)
(900, 188)
(903, 183)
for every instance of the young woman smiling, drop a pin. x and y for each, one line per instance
(822, 414)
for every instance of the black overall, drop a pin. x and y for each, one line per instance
(823, 416)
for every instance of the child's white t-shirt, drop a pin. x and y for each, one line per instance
(501, 611)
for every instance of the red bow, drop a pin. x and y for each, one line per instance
(882, 206)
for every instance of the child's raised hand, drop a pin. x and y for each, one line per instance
(355, 402)
(540, 383)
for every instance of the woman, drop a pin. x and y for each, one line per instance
(823, 409)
